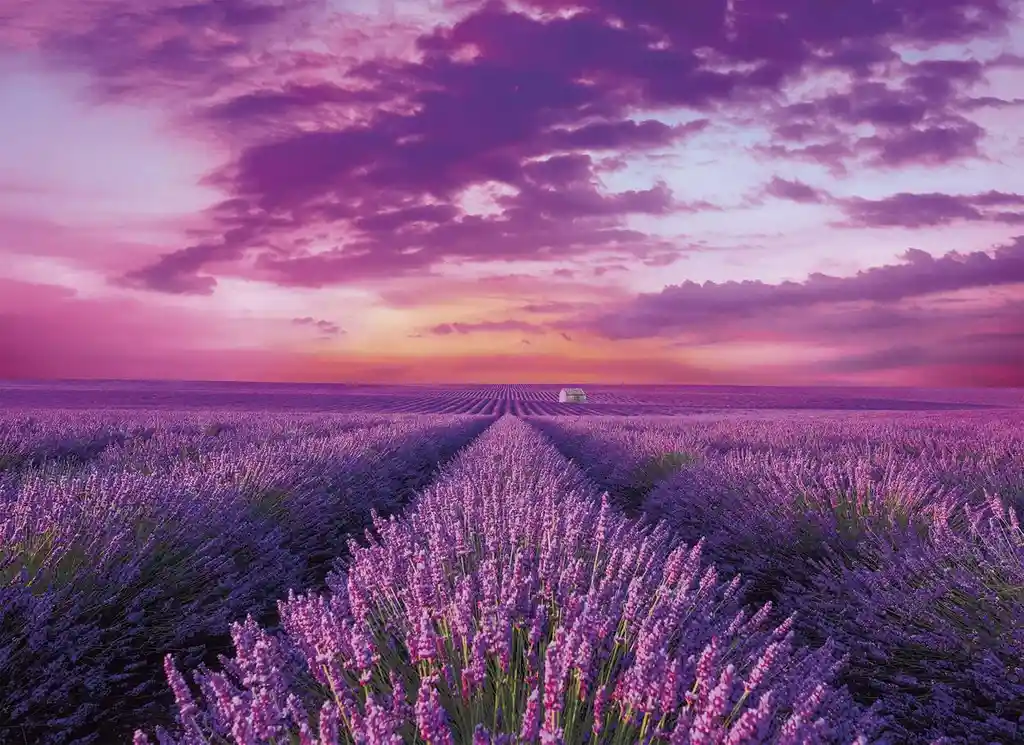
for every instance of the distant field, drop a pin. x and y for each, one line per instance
(494, 400)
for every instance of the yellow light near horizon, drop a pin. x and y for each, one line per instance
(756, 354)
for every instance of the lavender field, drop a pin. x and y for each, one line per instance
(257, 564)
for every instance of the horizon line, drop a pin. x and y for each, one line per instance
(568, 383)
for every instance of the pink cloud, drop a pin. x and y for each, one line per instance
(678, 307)
(925, 320)
(460, 161)
(921, 210)
(373, 176)
(48, 332)
(444, 329)
(326, 328)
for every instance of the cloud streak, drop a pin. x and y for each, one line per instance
(934, 209)
(916, 275)
(444, 329)
(327, 328)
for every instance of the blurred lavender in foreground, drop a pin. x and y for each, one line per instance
(934, 628)
(513, 604)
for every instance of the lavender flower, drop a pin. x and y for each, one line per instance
(632, 640)
(126, 534)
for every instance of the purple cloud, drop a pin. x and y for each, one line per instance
(1000, 350)
(795, 191)
(937, 144)
(445, 329)
(557, 134)
(994, 102)
(678, 308)
(327, 328)
(926, 210)
(916, 121)
(378, 159)
(140, 47)
(549, 306)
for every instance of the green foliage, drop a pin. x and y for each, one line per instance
(11, 461)
(500, 702)
(656, 470)
(45, 563)
(189, 452)
(166, 551)
(269, 504)
(846, 518)
(996, 571)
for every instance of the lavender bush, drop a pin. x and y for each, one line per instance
(934, 627)
(972, 451)
(880, 531)
(159, 539)
(513, 603)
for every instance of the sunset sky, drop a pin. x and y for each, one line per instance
(659, 191)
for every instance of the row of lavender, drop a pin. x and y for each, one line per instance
(519, 400)
(512, 603)
(896, 536)
(124, 535)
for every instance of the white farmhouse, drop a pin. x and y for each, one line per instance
(572, 396)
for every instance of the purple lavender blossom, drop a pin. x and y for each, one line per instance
(126, 534)
(896, 535)
(614, 629)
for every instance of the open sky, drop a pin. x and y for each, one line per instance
(663, 191)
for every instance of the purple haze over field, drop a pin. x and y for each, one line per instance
(439, 191)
